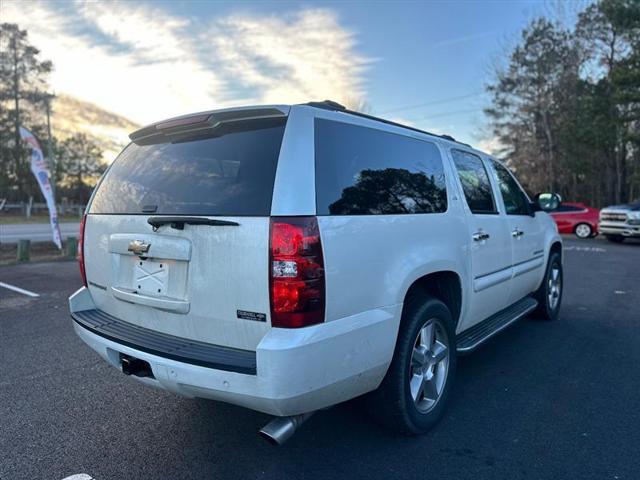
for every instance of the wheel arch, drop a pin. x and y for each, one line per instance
(445, 285)
(556, 247)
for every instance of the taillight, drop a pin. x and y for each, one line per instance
(81, 251)
(296, 271)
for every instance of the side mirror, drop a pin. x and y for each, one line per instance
(548, 201)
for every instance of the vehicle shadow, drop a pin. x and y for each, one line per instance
(513, 396)
(525, 400)
(339, 439)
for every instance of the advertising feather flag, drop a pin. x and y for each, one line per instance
(41, 172)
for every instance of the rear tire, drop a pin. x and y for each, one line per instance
(414, 393)
(583, 230)
(615, 238)
(549, 295)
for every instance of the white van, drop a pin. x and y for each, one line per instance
(288, 258)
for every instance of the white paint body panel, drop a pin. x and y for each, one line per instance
(294, 187)
(370, 263)
(216, 270)
(299, 370)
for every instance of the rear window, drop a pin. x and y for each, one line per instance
(364, 171)
(229, 171)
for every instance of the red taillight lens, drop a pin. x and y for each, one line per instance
(81, 251)
(297, 272)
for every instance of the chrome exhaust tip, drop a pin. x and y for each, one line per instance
(281, 429)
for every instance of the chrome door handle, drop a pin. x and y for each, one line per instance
(480, 236)
(517, 233)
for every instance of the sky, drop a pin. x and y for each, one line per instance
(421, 63)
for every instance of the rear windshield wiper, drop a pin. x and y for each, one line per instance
(179, 222)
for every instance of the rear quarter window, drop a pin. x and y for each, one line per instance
(475, 182)
(365, 171)
(514, 199)
(228, 171)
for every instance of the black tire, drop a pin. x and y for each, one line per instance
(392, 404)
(615, 238)
(580, 228)
(546, 310)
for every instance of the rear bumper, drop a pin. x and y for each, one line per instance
(167, 346)
(296, 371)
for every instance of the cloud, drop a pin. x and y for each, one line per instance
(146, 64)
(491, 145)
(303, 56)
(149, 33)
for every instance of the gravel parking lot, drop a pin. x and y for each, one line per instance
(541, 400)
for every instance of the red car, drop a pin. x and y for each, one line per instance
(576, 218)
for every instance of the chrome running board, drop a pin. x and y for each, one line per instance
(481, 332)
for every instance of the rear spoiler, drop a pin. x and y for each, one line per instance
(199, 122)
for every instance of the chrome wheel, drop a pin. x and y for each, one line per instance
(583, 231)
(554, 287)
(429, 365)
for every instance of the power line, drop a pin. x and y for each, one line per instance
(432, 102)
(445, 114)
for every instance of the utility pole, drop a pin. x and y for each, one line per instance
(16, 95)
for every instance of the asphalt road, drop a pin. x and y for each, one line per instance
(36, 232)
(540, 401)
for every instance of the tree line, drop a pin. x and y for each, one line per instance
(24, 100)
(565, 109)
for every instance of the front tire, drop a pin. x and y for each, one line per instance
(414, 393)
(549, 295)
(583, 230)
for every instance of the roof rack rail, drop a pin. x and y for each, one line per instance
(327, 105)
(449, 137)
(335, 106)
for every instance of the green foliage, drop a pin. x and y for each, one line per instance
(567, 106)
(79, 166)
(23, 81)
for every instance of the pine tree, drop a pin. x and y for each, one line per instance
(23, 81)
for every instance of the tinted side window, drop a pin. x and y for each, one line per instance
(475, 182)
(364, 171)
(515, 201)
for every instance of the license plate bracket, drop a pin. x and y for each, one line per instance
(150, 277)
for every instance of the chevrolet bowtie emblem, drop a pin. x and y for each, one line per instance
(138, 247)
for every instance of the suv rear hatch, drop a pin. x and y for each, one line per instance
(176, 235)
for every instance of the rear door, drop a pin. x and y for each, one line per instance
(490, 250)
(526, 235)
(201, 270)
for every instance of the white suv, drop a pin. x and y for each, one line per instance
(287, 258)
